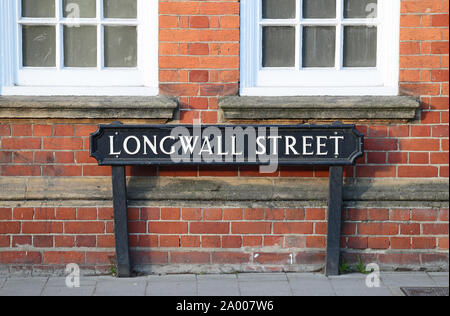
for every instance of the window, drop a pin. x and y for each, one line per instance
(319, 47)
(79, 47)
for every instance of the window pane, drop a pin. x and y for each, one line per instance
(319, 44)
(38, 46)
(79, 8)
(278, 9)
(38, 8)
(360, 46)
(360, 9)
(319, 9)
(278, 46)
(120, 46)
(80, 46)
(120, 9)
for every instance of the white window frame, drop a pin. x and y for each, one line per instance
(337, 81)
(18, 80)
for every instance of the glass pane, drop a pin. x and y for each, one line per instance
(360, 46)
(120, 9)
(38, 8)
(278, 9)
(80, 46)
(79, 9)
(39, 46)
(319, 9)
(357, 9)
(278, 46)
(319, 43)
(120, 46)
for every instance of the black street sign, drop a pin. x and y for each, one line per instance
(120, 145)
(331, 145)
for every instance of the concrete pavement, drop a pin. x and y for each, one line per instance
(244, 284)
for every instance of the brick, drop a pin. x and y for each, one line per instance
(42, 228)
(84, 227)
(21, 143)
(64, 257)
(231, 242)
(293, 228)
(378, 214)
(172, 214)
(435, 229)
(5, 214)
(425, 215)
(209, 228)
(43, 241)
(168, 227)
(169, 241)
(190, 257)
(191, 214)
(417, 172)
(410, 229)
(274, 214)
(357, 242)
(150, 257)
(273, 258)
(20, 257)
(212, 214)
(211, 241)
(310, 258)
(21, 130)
(377, 229)
(65, 143)
(9, 228)
(232, 214)
(66, 213)
(378, 243)
(100, 257)
(424, 243)
(230, 258)
(315, 214)
(43, 213)
(357, 214)
(254, 214)
(65, 242)
(190, 241)
(400, 215)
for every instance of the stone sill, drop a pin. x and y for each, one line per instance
(115, 108)
(222, 190)
(395, 108)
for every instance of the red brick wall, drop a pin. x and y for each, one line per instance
(199, 61)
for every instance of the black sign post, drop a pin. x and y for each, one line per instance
(270, 146)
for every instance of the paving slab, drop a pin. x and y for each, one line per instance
(2, 281)
(260, 288)
(203, 277)
(310, 285)
(61, 282)
(225, 287)
(172, 278)
(121, 287)
(407, 279)
(172, 288)
(441, 279)
(261, 277)
(62, 292)
(23, 287)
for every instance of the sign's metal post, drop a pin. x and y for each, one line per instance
(121, 221)
(335, 202)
